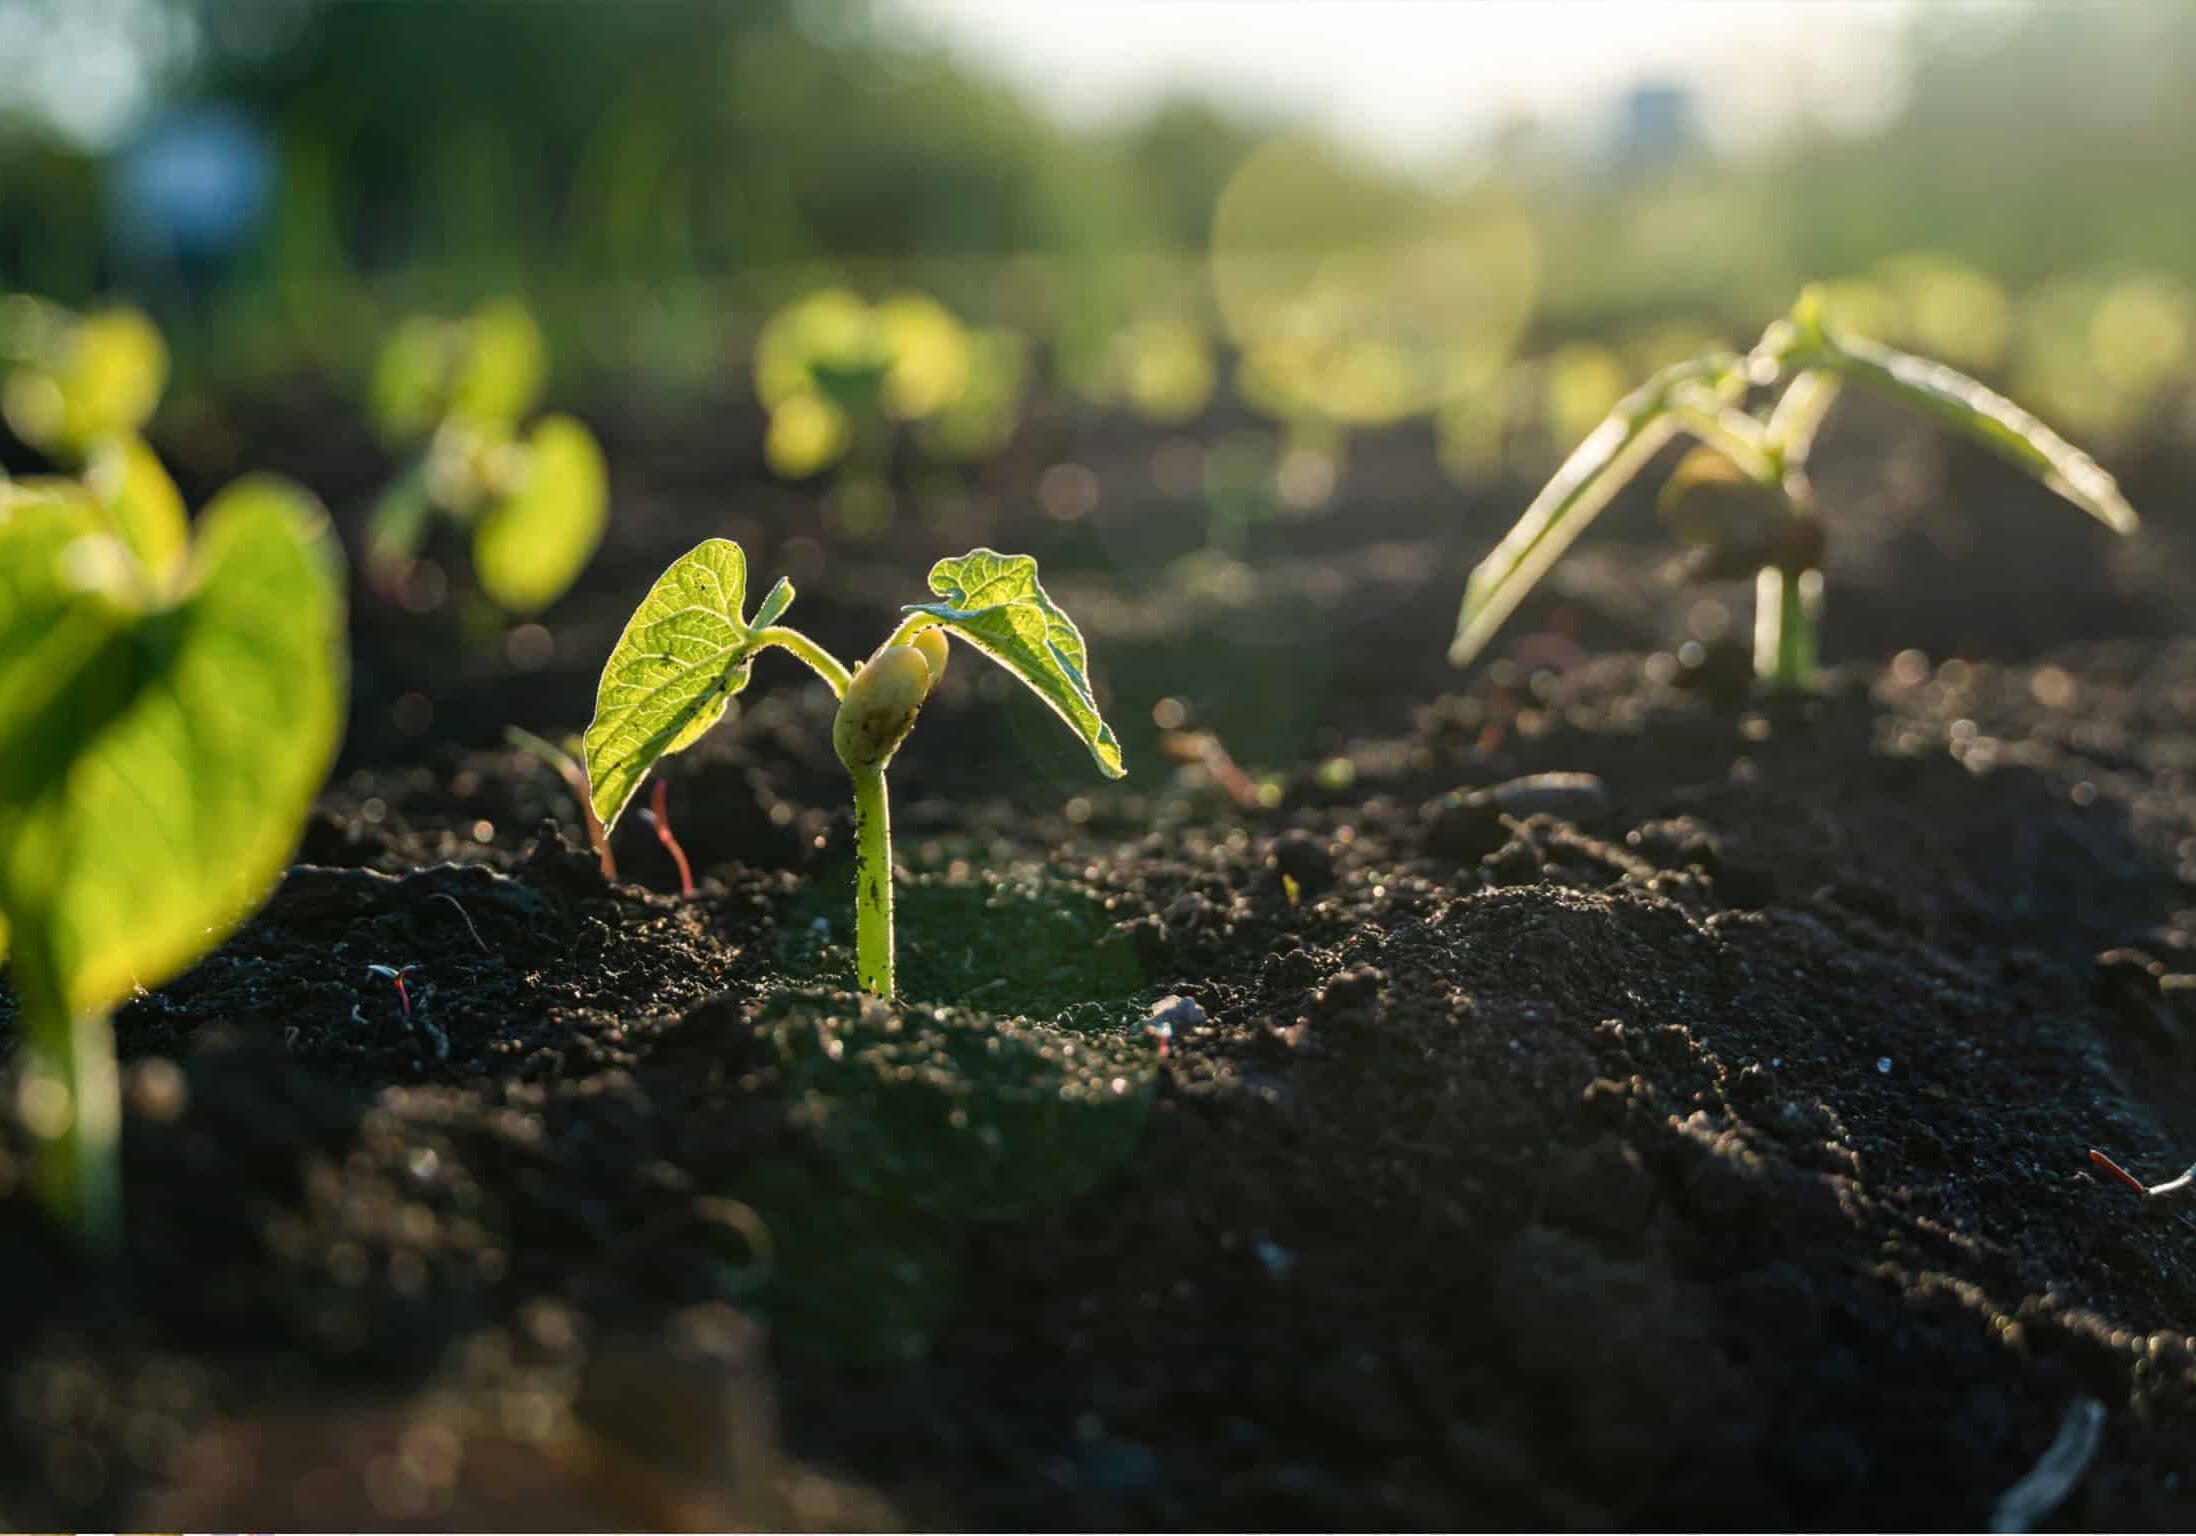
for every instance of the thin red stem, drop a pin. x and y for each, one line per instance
(2109, 1166)
(657, 798)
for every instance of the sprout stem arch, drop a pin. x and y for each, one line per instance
(691, 646)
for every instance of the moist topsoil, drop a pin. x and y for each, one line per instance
(1697, 1139)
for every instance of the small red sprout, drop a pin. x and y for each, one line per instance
(659, 816)
(395, 975)
(2182, 1185)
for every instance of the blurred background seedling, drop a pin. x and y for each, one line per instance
(454, 396)
(74, 381)
(843, 379)
(81, 389)
(1742, 500)
(169, 707)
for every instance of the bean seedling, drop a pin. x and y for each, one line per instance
(840, 377)
(79, 388)
(169, 706)
(690, 647)
(535, 504)
(75, 380)
(1742, 499)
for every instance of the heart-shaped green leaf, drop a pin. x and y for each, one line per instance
(147, 512)
(85, 379)
(685, 652)
(531, 545)
(404, 396)
(502, 366)
(116, 367)
(158, 759)
(995, 602)
(53, 616)
(1984, 415)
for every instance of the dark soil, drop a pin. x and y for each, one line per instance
(1700, 1144)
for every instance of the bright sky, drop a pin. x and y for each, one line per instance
(1413, 79)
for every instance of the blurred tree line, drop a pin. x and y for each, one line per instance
(489, 140)
(463, 147)
(2032, 141)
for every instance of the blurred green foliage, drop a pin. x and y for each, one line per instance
(655, 177)
(454, 395)
(844, 381)
(165, 723)
(74, 380)
(834, 371)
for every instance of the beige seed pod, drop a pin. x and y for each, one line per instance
(1710, 502)
(880, 707)
(932, 643)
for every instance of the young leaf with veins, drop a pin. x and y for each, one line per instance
(690, 647)
(1742, 499)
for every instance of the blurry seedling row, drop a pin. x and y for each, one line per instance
(841, 378)
(142, 667)
(1331, 357)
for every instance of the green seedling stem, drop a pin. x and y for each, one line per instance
(69, 1099)
(690, 647)
(822, 662)
(873, 935)
(874, 717)
(1751, 509)
(1787, 626)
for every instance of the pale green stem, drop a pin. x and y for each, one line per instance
(911, 626)
(1734, 434)
(1799, 414)
(872, 882)
(825, 665)
(70, 1101)
(567, 767)
(1787, 620)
